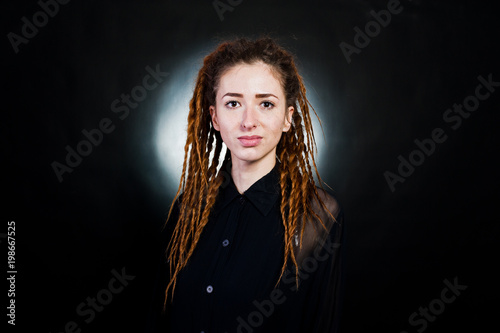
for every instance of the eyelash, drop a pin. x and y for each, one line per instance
(230, 103)
(271, 104)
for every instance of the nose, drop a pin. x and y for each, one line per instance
(249, 119)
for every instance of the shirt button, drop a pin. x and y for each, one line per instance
(225, 243)
(210, 289)
(242, 199)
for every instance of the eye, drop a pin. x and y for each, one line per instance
(267, 105)
(232, 104)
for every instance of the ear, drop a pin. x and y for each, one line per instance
(288, 118)
(215, 121)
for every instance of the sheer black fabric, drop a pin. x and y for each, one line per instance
(230, 283)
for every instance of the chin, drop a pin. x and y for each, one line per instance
(249, 156)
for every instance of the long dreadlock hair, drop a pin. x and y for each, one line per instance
(201, 178)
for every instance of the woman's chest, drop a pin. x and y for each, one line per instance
(237, 261)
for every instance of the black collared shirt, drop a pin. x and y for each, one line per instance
(229, 284)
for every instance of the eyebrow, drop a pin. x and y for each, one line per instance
(256, 95)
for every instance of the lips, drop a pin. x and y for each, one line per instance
(250, 141)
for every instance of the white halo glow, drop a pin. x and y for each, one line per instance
(171, 126)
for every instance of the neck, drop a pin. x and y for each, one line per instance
(245, 174)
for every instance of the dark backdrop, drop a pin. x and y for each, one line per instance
(75, 233)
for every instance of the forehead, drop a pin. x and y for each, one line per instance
(250, 78)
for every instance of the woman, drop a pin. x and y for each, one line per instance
(255, 244)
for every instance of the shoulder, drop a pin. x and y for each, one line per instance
(331, 203)
(326, 224)
(327, 207)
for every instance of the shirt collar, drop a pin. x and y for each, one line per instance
(262, 194)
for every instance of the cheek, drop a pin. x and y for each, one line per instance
(225, 127)
(277, 131)
(279, 125)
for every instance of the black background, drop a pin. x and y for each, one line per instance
(441, 223)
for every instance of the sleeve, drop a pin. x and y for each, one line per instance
(325, 285)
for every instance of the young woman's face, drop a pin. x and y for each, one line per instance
(251, 112)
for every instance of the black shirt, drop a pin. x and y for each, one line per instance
(229, 284)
